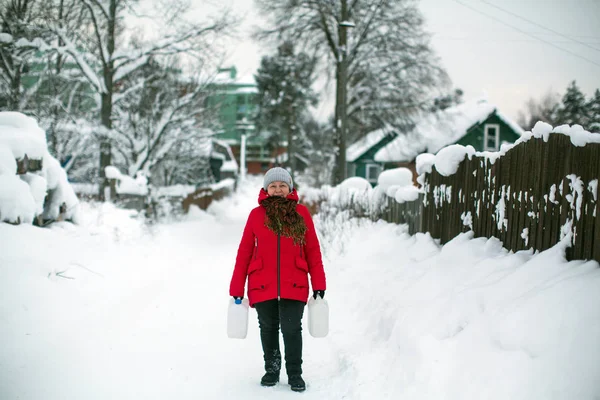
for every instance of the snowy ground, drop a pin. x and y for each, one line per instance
(112, 309)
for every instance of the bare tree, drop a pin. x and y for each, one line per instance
(20, 23)
(377, 50)
(284, 94)
(166, 112)
(64, 103)
(105, 58)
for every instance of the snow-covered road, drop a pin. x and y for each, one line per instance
(115, 310)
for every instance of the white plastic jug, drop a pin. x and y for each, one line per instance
(318, 317)
(237, 318)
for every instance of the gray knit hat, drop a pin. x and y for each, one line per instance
(278, 174)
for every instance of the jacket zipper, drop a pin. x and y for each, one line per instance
(255, 247)
(278, 267)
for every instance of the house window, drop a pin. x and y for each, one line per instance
(373, 171)
(491, 137)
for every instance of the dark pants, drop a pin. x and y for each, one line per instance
(288, 314)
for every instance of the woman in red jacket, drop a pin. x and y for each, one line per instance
(278, 250)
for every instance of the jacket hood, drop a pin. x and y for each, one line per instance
(264, 195)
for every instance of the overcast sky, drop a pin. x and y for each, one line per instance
(509, 50)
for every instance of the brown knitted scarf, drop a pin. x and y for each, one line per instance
(283, 219)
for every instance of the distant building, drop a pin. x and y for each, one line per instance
(477, 123)
(237, 102)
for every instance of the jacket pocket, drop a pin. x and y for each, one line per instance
(256, 278)
(301, 273)
(255, 265)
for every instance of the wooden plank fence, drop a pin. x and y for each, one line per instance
(410, 213)
(532, 197)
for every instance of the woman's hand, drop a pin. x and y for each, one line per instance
(318, 292)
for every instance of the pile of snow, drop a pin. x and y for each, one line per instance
(126, 184)
(356, 184)
(44, 193)
(468, 320)
(174, 190)
(22, 135)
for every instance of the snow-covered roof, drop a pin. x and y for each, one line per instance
(229, 166)
(224, 76)
(243, 90)
(228, 77)
(246, 79)
(440, 129)
(360, 147)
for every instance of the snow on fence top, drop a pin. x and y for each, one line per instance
(579, 136)
(398, 183)
(447, 160)
(45, 193)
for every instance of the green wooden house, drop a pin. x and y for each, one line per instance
(236, 101)
(477, 123)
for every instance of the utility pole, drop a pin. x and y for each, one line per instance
(107, 102)
(242, 126)
(341, 116)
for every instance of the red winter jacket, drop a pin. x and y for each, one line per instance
(275, 266)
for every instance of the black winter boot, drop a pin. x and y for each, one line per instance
(270, 379)
(297, 383)
(272, 367)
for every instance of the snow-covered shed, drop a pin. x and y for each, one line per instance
(222, 161)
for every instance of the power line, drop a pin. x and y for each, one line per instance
(481, 39)
(525, 33)
(539, 25)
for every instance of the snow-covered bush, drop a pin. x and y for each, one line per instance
(45, 193)
(126, 184)
(354, 196)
